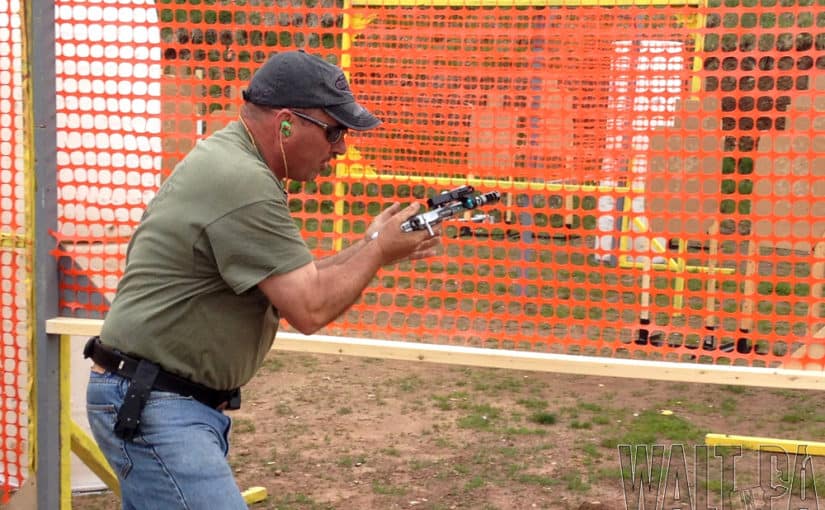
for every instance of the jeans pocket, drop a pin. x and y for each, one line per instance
(102, 402)
(225, 436)
(102, 423)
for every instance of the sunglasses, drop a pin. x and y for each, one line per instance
(333, 133)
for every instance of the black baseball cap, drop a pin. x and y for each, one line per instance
(296, 79)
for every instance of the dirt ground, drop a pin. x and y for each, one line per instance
(330, 432)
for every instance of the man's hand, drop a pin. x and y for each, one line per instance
(397, 245)
(381, 220)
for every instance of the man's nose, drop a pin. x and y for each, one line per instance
(339, 148)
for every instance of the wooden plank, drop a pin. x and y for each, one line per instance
(523, 3)
(73, 326)
(516, 360)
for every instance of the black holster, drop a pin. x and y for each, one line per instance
(128, 416)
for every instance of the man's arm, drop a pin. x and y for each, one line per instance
(314, 295)
(342, 256)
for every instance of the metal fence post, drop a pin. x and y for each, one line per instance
(40, 101)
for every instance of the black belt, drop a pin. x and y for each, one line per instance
(146, 376)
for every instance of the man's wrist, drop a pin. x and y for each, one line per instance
(371, 237)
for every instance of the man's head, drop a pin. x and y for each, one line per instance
(296, 79)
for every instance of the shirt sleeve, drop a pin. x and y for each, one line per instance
(254, 242)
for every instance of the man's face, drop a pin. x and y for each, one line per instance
(314, 139)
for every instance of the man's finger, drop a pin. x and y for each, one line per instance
(391, 210)
(410, 211)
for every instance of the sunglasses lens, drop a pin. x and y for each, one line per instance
(334, 133)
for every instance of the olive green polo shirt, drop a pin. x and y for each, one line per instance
(188, 299)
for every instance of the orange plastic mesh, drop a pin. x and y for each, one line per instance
(15, 272)
(661, 165)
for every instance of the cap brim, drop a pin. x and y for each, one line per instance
(353, 115)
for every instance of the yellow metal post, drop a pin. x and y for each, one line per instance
(767, 444)
(340, 188)
(65, 425)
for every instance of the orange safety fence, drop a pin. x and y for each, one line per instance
(15, 267)
(661, 164)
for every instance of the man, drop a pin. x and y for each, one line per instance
(214, 264)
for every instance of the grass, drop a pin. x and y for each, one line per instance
(451, 401)
(384, 488)
(243, 426)
(533, 404)
(651, 427)
(482, 417)
(543, 418)
(409, 384)
(349, 461)
(297, 501)
(483, 431)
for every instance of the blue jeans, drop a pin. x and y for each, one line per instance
(177, 460)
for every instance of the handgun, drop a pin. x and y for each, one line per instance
(448, 204)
